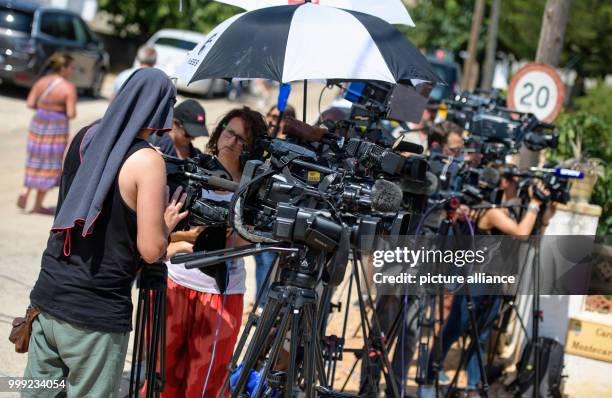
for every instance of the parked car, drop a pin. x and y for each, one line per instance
(30, 33)
(172, 46)
(450, 72)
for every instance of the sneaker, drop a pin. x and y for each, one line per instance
(443, 378)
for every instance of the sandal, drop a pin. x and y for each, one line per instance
(45, 211)
(22, 201)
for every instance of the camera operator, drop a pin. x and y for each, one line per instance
(112, 211)
(204, 307)
(494, 221)
(272, 119)
(189, 122)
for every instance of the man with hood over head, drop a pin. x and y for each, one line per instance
(114, 213)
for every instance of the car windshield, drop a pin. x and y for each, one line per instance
(447, 73)
(176, 43)
(15, 19)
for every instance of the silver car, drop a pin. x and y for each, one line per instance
(31, 33)
(172, 46)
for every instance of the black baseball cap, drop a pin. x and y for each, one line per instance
(193, 118)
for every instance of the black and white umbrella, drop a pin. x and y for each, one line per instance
(392, 11)
(307, 42)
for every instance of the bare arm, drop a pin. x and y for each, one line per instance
(497, 218)
(143, 185)
(71, 100)
(33, 95)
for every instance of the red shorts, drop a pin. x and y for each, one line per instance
(191, 321)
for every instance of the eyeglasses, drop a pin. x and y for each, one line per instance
(231, 133)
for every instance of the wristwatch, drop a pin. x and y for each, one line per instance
(533, 208)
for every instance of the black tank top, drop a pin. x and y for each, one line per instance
(87, 281)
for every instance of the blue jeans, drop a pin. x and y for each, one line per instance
(458, 323)
(263, 263)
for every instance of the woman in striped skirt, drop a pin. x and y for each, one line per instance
(54, 99)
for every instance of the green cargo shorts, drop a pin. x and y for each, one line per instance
(90, 362)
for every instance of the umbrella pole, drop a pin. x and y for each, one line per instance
(305, 96)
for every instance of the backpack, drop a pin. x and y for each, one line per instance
(551, 366)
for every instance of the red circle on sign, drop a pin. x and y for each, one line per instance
(550, 71)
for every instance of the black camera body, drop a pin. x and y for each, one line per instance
(490, 122)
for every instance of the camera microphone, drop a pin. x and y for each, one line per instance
(407, 146)
(561, 172)
(215, 182)
(386, 196)
(303, 131)
(419, 188)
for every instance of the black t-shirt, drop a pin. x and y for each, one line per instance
(87, 281)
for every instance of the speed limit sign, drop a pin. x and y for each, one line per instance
(538, 89)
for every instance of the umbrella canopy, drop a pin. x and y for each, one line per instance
(392, 11)
(307, 42)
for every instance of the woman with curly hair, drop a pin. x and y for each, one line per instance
(204, 307)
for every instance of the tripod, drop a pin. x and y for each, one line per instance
(375, 351)
(433, 363)
(150, 322)
(295, 302)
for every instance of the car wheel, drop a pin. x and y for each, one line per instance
(96, 85)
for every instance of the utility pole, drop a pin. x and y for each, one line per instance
(554, 22)
(469, 75)
(489, 64)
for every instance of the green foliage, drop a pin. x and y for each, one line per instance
(597, 102)
(142, 18)
(442, 24)
(595, 136)
(588, 37)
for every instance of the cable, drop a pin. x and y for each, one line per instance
(218, 328)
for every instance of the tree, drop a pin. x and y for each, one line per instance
(142, 18)
(441, 24)
(588, 38)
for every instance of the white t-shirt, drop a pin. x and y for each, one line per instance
(122, 78)
(199, 281)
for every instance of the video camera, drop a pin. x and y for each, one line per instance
(556, 180)
(496, 130)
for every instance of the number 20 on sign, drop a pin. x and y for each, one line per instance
(537, 88)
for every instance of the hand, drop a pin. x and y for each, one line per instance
(172, 215)
(540, 186)
(465, 213)
(175, 248)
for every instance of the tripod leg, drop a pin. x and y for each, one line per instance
(153, 347)
(269, 315)
(387, 371)
(475, 337)
(315, 353)
(253, 321)
(276, 348)
(295, 326)
(137, 350)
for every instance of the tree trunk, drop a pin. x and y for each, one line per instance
(489, 65)
(469, 83)
(554, 22)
